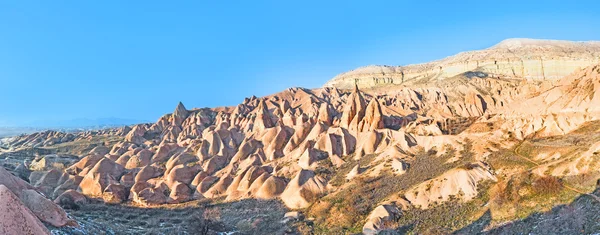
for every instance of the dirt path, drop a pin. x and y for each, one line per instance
(582, 193)
(516, 152)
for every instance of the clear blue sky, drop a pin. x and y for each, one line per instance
(62, 60)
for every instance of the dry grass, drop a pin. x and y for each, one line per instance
(346, 210)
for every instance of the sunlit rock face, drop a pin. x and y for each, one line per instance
(516, 58)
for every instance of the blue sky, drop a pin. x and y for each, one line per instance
(62, 60)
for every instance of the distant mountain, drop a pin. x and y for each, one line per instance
(72, 125)
(14, 131)
(85, 123)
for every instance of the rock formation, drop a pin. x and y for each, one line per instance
(523, 58)
(303, 146)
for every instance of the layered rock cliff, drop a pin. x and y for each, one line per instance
(513, 58)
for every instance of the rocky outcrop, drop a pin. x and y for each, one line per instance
(354, 111)
(70, 199)
(16, 218)
(515, 58)
(304, 189)
(44, 209)
(378, 218)
(460, 183)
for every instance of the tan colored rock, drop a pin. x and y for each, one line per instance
(72, 183)
(93, 184)
(521, 58)
(164, 152)
(354, 111)
(263, 118)
(179, 115)
(140, 159)
(398, 166)
(367, 144)
(180, 159)
(109, 167)
(275, 140)
(136, 135)
(460, 182)
(99, 150)
(150, 197)
(182, 173)
(180, 193)
(115, 193)
(198, 178)
(373, 119)
(325, 114)
(356, 170)
(219, 189)
(128, 179)
(379, 216)
(148, 172)
(303, 190)
(88, 161)
(205, 185)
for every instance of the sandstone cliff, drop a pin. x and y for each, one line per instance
(514, 58)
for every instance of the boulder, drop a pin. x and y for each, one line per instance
(150, 196)
(378, 217)
(70, 199)
(356, 170)
(16, 218)
(136, 135)
(128, 179)
(44, 209)
(182, 173)
(109, 167)
(293, 216)
(72, 182)
(115, 193)
(303, 190)
(99, 150)
(399, 167)
(148, 172)
(271, 188)
(180, 193)
(86, 162)
(93, 184)
(140, 159)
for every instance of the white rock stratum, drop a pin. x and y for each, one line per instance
(514, 58)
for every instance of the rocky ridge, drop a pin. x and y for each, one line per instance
(517, 58)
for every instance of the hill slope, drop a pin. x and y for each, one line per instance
(513, 58)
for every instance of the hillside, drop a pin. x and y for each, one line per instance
(469, 143)
(529, 59)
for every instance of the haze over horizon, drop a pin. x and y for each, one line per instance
(65, 61)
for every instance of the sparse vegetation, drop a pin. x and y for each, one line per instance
(444, 218)
(194, 217)
(346, 210)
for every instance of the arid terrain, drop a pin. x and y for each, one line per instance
(504, 140)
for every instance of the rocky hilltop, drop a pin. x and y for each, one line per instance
(431, 156)
(512, 58)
